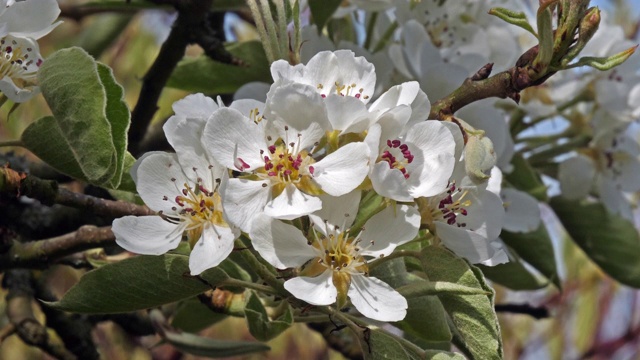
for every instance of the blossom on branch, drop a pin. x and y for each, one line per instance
(21, 24)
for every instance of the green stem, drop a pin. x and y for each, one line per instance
(249, 285)
(370, 27)
(385, 37)
(312, 318)
(545, 155)
(11, 143)
(394, 255)
(261, 269)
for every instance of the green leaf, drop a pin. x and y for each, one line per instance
(321, 10)
(474, 323)
(193, 316)
(604, 63)
(137, 283)
(421, 288)
(202, 74)
(516, 18)
(426, 317)
(535, 248)
(377, 345)
(119, 117)
(524, 177)
(513, 275)
(260, 326)
(202, 346)
(126, 182)
(609, 240)
(71, 85)
(102, 32)
(46, 140)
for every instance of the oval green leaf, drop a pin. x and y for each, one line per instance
(609, 240)
(137, 283)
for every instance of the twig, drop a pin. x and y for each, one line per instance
(506, 84)
(38, 254)
(73, 329)
(191, 14)
(20, 314)
(534, 312)
(79, 12)
(14, 184)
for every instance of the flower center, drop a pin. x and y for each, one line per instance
(338, 252)
(451, 207)
(195, 207)
(18, 60)
(398, 156)
(345, 90)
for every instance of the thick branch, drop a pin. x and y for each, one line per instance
(20, 314)
(79, 12)
(191, 14)
(39, 254)
(14, 184)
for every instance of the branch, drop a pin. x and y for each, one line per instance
(20, 314)
(38, 254)
(77, 13)
(534, 312)
(14, 184)
(191, 14)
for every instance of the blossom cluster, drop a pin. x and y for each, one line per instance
(21, 24)
(292, 172)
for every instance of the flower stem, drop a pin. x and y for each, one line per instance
(570, 145)
(370, 27)
(249, 285)
(11, 143)
(260, 269)
(394, 255)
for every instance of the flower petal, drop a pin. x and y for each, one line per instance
(337, 210)
(159, 177)
(229, 135)
(576, 175)
(214, 245)
(148, 235)
(393, 226)
(389, 183)
(317, 290)
(377, 300)
(522, 213)
(31, 18)
(242, 200)
(282, 245)
(343, 170)
(291, 204)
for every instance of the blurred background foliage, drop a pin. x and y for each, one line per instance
(593, 317)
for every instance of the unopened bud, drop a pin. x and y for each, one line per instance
(480, 157)
(589, 24)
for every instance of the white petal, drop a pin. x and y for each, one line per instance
(347, 114)
(31, 18)
(403, 94)
(337, 210)
(195, 106)
(14, 93)
(389, 182)
(377, 300)
(229, 135)
(243, 199)
(282, 245)
(254, 90)
(148, 235)
(343, 170)
(297, 106)
(292, 204)
(389, 228)
(317, 290)
(154, 175)
(576, 176)
(212, 248)
(522, 213)
(433, 162)
(465, 243)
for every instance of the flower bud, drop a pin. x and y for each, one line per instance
(479, 156)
